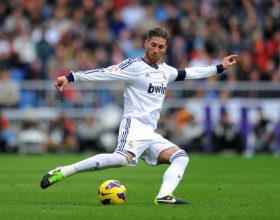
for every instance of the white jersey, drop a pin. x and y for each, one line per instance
(145, 85)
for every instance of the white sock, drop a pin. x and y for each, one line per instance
(174, 173)
(97, 162)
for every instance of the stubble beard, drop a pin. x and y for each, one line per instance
(154, 60)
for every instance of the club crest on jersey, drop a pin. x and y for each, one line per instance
(164, 75)
(130, 143)
(156, 89)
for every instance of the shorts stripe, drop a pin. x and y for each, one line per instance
(124, 135)
(177, 154)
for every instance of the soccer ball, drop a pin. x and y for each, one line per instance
(112, 192)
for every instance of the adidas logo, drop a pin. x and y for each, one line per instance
(147, 75)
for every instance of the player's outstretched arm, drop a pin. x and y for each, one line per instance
(61, 82)
(203, 72)
(229, 61)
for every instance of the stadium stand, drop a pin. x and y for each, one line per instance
(40, 40)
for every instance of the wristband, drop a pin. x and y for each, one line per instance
(220, 68)
(70, 77)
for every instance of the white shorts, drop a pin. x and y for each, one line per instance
(141, 140)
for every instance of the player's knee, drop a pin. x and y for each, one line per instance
(165, 155)
(122, 158)
(181, 157)
(184, 160)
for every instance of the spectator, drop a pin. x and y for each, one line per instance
(62, 134)
(59, 62)
(58, 25)
(9, 90)
(149, 21)
(226, 137)
(137, 47)
(88, 132)
(132, 14)
(16, 21)
(194, 135)
(31, 139)
(89, 8)
(125, 40)
(116, 23)
(24, 47)
(7, 136)
(101, 34)
(262, 137)
(3, 126)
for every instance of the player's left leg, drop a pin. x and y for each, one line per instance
(120, 157)
(97, 162)
(178, 160)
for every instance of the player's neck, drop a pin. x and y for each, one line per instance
(153, 64)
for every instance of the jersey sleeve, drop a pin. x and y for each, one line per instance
(173, 73)
(196, 72)
(122, 71)
(200, 72)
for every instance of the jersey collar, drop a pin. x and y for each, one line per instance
(156, 67)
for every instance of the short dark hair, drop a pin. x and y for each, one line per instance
(158, 32)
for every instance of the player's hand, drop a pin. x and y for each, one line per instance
(60, 83)
(229, 61)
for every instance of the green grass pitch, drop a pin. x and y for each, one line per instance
(218, 187)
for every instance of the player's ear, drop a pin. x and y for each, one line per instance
(166, 46)
(146, 44)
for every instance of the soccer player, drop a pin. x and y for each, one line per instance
(146, 79)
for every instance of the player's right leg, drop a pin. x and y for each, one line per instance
(178, 160)
(97, 162)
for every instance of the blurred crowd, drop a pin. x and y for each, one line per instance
(47, 38)
(40, 40)
(94, 133)
(224, 136)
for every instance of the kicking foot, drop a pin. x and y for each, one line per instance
(169, 199)
(51, 177)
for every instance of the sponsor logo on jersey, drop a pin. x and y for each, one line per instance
(156, 89)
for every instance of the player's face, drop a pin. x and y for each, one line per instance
(155, 49)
